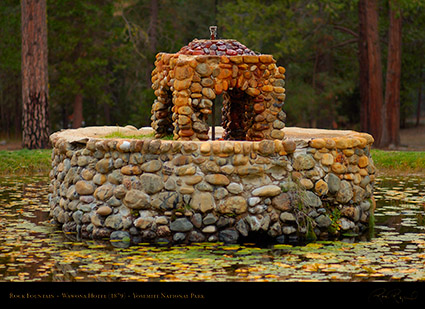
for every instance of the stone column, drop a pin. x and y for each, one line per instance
(161, 120)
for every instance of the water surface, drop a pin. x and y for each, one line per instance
(32, 249)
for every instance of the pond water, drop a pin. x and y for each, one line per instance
(32, 249)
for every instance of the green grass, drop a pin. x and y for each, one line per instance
(118, 134)
(25, 162)
(393, 162)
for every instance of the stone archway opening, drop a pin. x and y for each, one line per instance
(234, 114)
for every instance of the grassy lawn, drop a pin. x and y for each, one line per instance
(399, 162)
(25, 162)
(37, 162)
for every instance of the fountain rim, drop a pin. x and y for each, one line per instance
(297, 134)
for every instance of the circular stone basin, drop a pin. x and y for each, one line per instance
(123, 184)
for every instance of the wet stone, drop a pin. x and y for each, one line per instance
(228, 236)
(323, 221)
(181, 225)
(114, 222)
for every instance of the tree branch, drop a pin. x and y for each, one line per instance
(347, 30)
(344, 43)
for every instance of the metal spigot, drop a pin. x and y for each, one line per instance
(213, 32)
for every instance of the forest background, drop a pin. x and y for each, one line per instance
(101, 54)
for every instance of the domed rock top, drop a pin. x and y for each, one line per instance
(215, 48)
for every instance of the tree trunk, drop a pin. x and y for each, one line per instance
(153, 26)
(392, 87)
(35, 113)
(369, 34)
(363, 68)
(153, 38)
(418, 108)
(77, 116)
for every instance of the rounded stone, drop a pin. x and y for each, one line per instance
(209, 229)
(327, 159)
(220, 193)
(120, 235)
(282, 202)
(323, 221)
(266, 147)
(104, 192)
(181, 225)
(185, 170)
(235, 188)
(210, 219)
(233, 204)
(182, 84)
(289, 146)
(321, 187)
(209, 93)
(136, 199)
(303, 162)
(277, 134)
(339, 168)
(104, 166)
(124, 146)
(240, 159)
(114, 222)
(183, 72)
(306, 183)
(193, 180)
(205, 147)
(334, 183)
(252, 201)
(268, 190)
(317, 143)
(228, 236)
(84, 187)
(345, 192)
(363, 161)
(202, 201)
(287, 217)
(217, 179)
(144, 222)
(288, 230)
(310, 199)
(203, 69)
(151, 183)
(253, 92)
(152, 166)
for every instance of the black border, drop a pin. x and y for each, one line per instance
(335, 294)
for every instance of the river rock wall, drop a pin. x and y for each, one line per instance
(151, 190)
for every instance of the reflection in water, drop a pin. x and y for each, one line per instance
(32, 249)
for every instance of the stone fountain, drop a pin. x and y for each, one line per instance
(253, 176)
